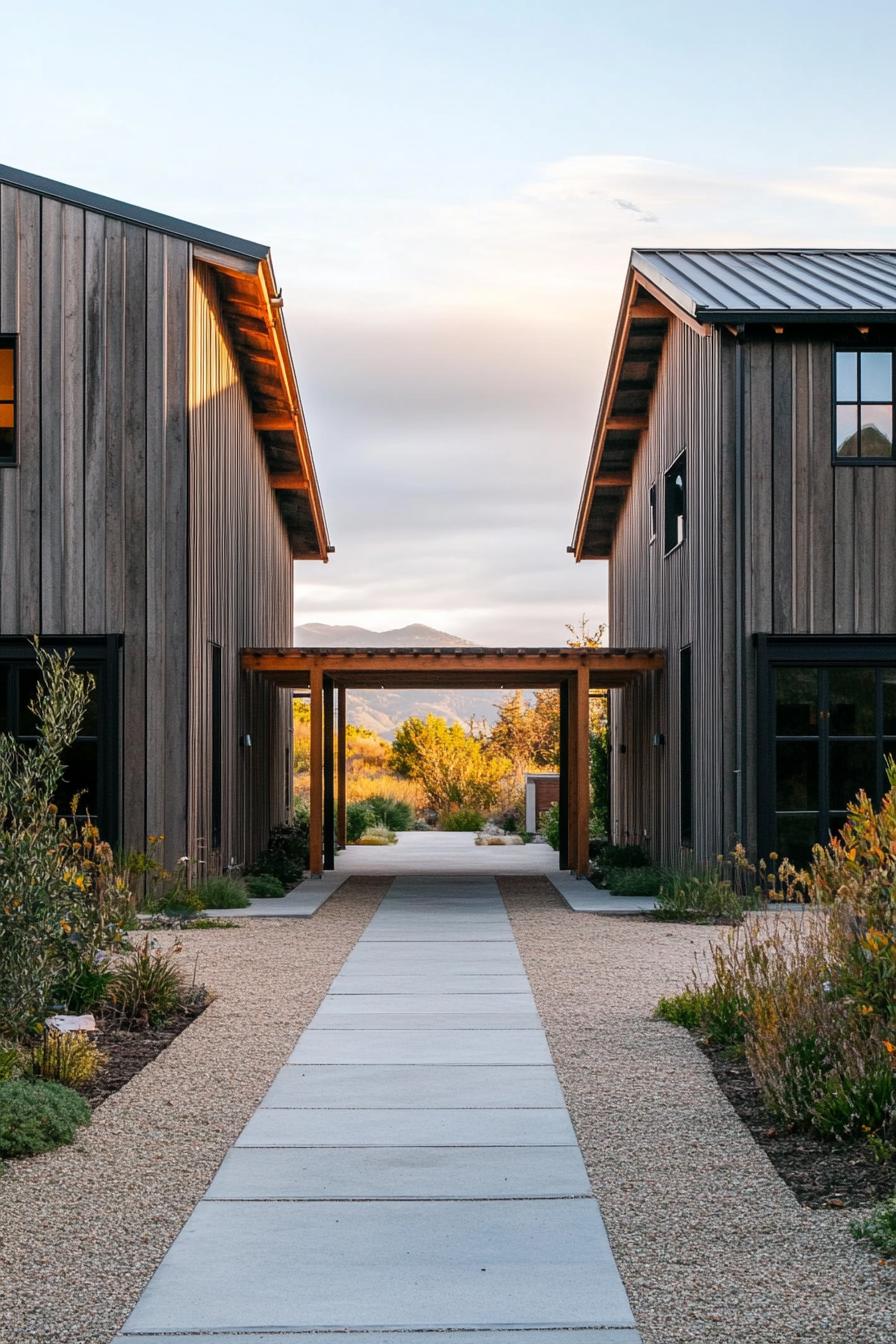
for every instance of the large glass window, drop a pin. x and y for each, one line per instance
(7, 402)
(833, 729)
(675, 504)
(863, 410)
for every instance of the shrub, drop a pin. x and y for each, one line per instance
(85, 988)
(359, 817)
(286, 856)
(61, 896)
(148, 987)
(11, 1060)
(222, 893)
(461, 819)
(183, 901)
(377, 835)
(264, 885)
(37, 1115)
(549, 825)
(702, 898)
(879, 1228)
(645, 881)
(68, 1057)
(393, 813)
(623, 856)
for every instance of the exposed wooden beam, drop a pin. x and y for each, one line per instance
(274, 422)
(631, 423)
(649, 310)
(613, 481)
(289, 480)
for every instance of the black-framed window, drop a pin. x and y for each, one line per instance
(675, 504)
(863, 406)
(91, 762)
(8, 456)
(685, 746)
(651, 513)
(827, 721)
(216, 780)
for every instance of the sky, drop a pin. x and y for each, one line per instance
(451, 192)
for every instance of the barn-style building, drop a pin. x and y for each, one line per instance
(156, 485)
(742, 485)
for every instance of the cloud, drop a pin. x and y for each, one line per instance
(451, 357)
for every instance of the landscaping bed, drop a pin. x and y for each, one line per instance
(127, 1052)
(820, 1173)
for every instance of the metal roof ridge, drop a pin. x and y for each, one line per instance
(132, 214)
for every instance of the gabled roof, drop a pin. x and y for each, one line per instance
(253, 308)
(702, 288)
(760, 284)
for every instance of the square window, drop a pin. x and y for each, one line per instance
(847, 431)
(847, 376)
(876, 439)
(863, 410)
(877, 375)
(675, 504)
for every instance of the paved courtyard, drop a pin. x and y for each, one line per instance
(413, 1166)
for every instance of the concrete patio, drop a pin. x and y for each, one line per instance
(413, 1166)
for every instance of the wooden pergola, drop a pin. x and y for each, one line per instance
(327, 673)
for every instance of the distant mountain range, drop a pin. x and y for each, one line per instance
(384, 711)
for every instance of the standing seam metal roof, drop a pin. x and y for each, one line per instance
(809, 283)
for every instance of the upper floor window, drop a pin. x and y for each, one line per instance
(863, 410)
(7, 402)
(675, 504)
(651, 513)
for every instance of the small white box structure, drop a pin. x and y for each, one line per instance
(63, 1022)
(541, 791)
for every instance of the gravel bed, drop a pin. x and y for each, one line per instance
(83, 1228)
(710, 1241)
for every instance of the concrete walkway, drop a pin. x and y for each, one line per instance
(412, 1168)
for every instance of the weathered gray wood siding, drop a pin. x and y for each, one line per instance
(241, 586)
(93, 520)
(672, 601)
(818, 537)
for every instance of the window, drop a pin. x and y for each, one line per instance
(216, 745)
(651, 513)
(863, 406)
(7, 402)
(675, 504)
(685, 750)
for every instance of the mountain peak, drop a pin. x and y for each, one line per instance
(316, 634)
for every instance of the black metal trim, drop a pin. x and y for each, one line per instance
(329, 809)
(563, 801)
(673, 465)
(132, 214)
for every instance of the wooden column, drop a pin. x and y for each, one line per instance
(340, 767)
(583, 770)
(572, 772)
(563, 807)
(329, 778)
(316, 813)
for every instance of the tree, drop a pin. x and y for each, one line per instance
(453, 769)
(580, 637)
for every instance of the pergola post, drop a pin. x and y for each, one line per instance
(315, 815)
(563, 808)
(329, 778)
(572, 826)
(583, 770)
(340, 767)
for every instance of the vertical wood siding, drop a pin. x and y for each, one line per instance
(93, 520)
(672, 601)
(241, 587)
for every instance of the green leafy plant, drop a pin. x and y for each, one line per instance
(148, 986)
(36, 1115)
(86, 986)
(701, 898)
(222, 893)
(393, 813)
(264, 885)
(62, 897)
(461, 819)
(68, 1057)
(12, 1059)
(359, 817)
(286, 856)
(549, 825)
(878, 1228)
(623, 856)
(640, 881)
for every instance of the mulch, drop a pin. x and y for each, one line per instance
(131, 1051)
(821, 1173)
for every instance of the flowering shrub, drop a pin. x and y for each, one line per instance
(62, 899)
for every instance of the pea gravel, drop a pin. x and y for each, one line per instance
(709, 1240)
(83, 1228)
